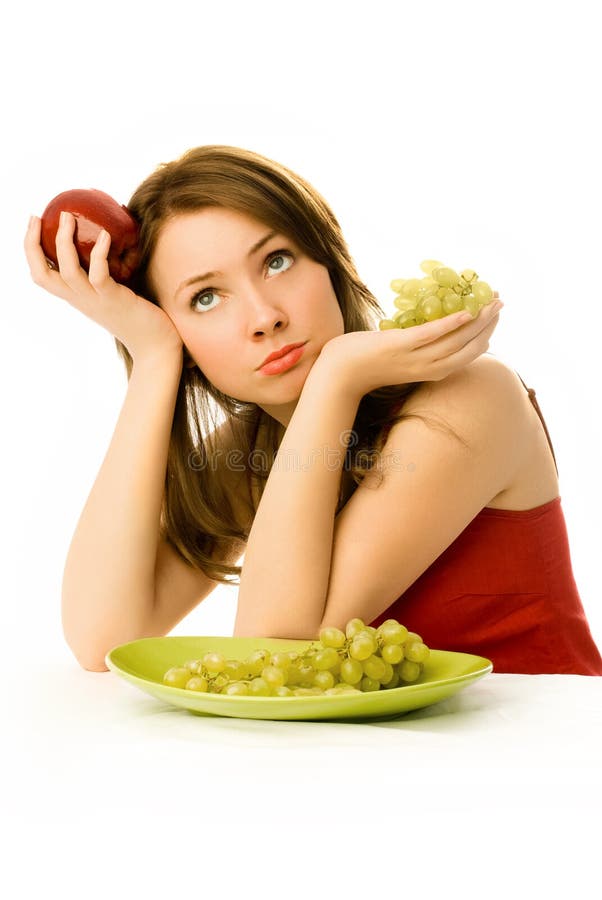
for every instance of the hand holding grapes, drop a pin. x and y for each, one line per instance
(143, 328)
(367, 360)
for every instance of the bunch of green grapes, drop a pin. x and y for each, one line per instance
(440, 293)
(359, 659)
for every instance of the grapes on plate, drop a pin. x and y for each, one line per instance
(360, 659)
(441, 292)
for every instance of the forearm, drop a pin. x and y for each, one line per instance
(109, 577)
(284, 580)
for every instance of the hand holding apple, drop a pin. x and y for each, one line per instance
(144, 328)
(94, 210)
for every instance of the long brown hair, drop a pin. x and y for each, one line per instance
(196, 517)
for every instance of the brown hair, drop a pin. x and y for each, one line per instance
(196, 517)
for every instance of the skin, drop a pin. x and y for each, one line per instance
(258, 306)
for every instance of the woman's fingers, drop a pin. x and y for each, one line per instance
(69, 266)
(41, 273)
(69, 281)
(98, 270)
(460, 327)
(468, 351)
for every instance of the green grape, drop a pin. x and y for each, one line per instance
(336, 668)
(392, 653)
(413, 636)
(324, 680)
(326, 658)
(410, 288)
(392, 632)
(214, 662)
(385, 324)
(257, 660)
(374, 667)
(404, 303)
(482, 292)
(445, 276)
(393, 683)
(307, 675)
(234, 669)
(307, 691)
(351, 671)
(193, 665)
(370, 630)
(387, 675)
(281, 661)
(258, 687)
(236, 689)
(273, 676)
(451, 302)
(429, 264)
(197, 683)
(283, 691)
(417, 652)
(293, 675)
(431, 308)
(332, 637)
(408, 670)
(471, 305)
(177, 676)
(369, 684)
(397, 284)
(405, 319)
(362, 647)
(353, 627)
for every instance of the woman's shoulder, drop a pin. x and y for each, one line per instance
(484, 404)
(486, 379)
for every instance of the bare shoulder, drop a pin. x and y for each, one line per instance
(484, 394)
(479, 412)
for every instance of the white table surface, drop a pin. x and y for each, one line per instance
(105, 786)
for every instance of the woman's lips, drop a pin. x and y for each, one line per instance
(283, 363)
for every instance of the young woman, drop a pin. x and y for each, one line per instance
(374, 474)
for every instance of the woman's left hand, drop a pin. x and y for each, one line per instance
(367, 360)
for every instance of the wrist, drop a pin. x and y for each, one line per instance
(167, 357)
(330, 374)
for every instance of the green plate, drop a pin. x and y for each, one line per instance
(144, 662)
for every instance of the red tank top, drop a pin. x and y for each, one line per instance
(505, 589)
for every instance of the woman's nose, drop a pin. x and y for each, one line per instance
(264, 315)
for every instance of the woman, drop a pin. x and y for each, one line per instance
(369, 474)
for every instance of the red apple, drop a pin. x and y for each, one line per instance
(94, 210)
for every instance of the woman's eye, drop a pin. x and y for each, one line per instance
(279, 254)
(208, 292)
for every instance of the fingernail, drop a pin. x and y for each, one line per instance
(31, 221)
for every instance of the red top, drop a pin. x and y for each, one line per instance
(505, 590)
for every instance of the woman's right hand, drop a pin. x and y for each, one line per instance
(141, 326)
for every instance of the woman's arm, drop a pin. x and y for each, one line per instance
(108, 587)
(286, 567)
(287, 572)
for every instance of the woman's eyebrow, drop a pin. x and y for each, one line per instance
(197, 278)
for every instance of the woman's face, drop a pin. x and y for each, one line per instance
(260, 302)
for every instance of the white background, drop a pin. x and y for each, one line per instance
(467, 132)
